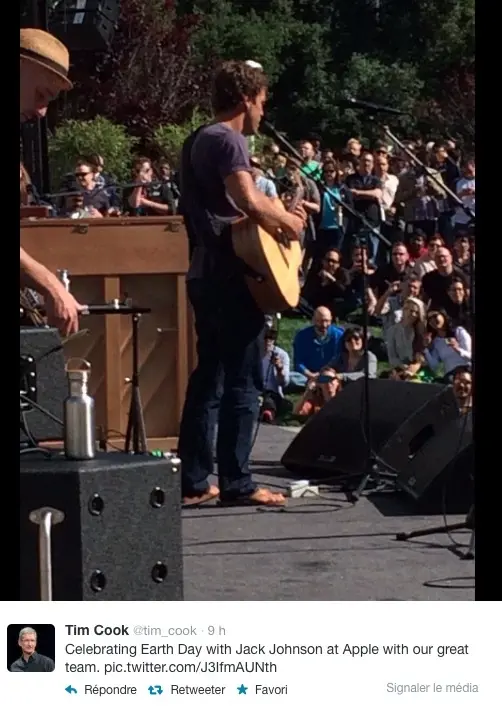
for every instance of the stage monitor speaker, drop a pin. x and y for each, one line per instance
(43, 379)
(334, 441)
(440, 474)
(120, 539)
(85, 25)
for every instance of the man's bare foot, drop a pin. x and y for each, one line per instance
(260, 498)
(211, 493)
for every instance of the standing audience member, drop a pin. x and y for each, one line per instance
(466, 191)
(262, 182)
(330, 230)
(366, 192)
(390, 184)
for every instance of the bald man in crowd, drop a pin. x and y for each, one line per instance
(44, 74)
(315, 346)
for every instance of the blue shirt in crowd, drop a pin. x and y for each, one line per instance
(329, 213)
(313, 352)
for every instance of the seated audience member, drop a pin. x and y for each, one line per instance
(314, 347)
(405, 340)
(349, 364)
(436, 284)
(328, 285)
(73, 207)
(318, 393)
(168, 184)
(457, 306)
(147, 197)
(416, 246)
(104, 179)
(330, 229)
(389, 306)
(427, 262)
(96, 201)
(462, 388)
(446, 345)
(275, 365)
(396, 271)
(27, 191)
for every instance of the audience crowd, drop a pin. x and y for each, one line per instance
(417, 282)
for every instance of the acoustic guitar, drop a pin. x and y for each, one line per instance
(273, 267)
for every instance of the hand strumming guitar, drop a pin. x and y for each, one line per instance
(293, 223)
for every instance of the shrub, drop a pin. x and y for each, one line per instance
(73, 139)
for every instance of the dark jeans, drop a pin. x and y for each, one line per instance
(224, 387)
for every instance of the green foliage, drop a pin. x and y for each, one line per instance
(370, 78)
(74, 139)
(168, 139)
(412, 55)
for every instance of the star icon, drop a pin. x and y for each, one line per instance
(242, 689)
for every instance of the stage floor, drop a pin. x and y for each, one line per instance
(319, 549)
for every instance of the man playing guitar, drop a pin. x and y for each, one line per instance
(217, 188)
(44, 70)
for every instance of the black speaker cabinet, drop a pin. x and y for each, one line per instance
(120, 537)
(43, 380)
(333, 440)
(440, 474)
(85, 25)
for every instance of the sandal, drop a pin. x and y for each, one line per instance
(193, 501)
(261, 497)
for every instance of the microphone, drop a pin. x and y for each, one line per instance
(351, 103)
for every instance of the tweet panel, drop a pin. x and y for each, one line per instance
(389, 655)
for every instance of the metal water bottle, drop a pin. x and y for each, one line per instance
(79, 429)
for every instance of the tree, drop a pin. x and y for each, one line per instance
(148, 77)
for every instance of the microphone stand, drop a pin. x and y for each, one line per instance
(372, 470)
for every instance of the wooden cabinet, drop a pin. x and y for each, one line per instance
(144, 259)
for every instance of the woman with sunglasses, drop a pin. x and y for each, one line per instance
(349, 366)
(446, 345)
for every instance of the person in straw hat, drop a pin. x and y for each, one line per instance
(44, 74)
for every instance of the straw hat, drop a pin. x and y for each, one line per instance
(45, 50)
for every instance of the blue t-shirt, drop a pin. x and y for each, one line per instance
(329, 212)
(209, 156)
